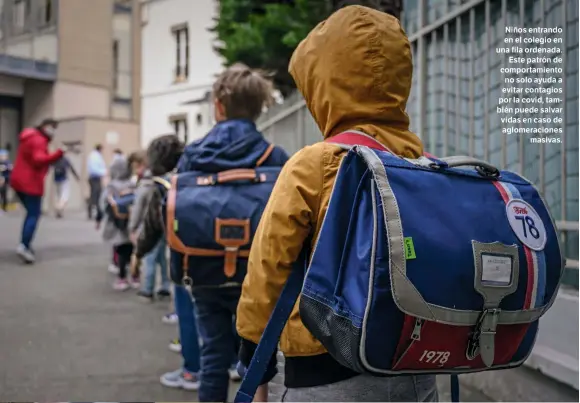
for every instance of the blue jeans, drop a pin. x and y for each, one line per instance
(156, 257)
(215, 310)
(184, 307)
(32, 205)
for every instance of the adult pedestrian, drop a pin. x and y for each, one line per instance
(27, 179)
(62, 183)
(97, 170)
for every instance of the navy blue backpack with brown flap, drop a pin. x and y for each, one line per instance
(210, 221)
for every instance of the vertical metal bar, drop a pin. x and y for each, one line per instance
(472, 58)
(541, 165)
(444, 89)
(563, 156)
(521, 137)
(457, 84)
(486, 82)
(503, 64)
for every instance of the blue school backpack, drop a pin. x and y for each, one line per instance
(210, 222)
(426, 266)
(119, 205)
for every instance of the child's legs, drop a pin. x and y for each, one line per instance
(215, 310)
(124, 252)
(237, 342)
(187, 329)
(162, 262)
(150, 262)
(32, 204)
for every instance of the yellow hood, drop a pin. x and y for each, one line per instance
(354, 71)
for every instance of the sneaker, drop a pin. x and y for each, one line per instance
(146, 296)
(120, 285)
(26, 254)
(162, 294)
(180, 379)
(135, 282)
(234, 376)
(175, 346)
(170, 319)
(113, 269)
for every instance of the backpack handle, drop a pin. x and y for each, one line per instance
(237, 174)
(483, 168)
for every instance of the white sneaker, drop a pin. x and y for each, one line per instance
(25, 254)
(113, 269)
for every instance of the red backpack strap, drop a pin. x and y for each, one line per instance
(354, 138)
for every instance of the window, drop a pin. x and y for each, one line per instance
(179, 124)
(46, 12)
(181, 34)
(20, 14)
(115, 64)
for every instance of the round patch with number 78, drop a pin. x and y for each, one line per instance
(527, 224)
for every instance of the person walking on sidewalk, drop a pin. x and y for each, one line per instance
(62, 183)
(30, 168)
(97, 170)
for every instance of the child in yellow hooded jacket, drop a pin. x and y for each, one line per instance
(354, 71)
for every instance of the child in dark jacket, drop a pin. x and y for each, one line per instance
(234, 142)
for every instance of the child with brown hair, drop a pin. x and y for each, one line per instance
(240, 94)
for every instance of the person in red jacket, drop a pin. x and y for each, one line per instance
(30, 168)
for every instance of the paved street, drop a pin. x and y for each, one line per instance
(65, 335)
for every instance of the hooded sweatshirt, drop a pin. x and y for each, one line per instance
(120, 182)
(32, 162)
(354, 71)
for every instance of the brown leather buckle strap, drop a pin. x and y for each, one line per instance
(232, 234)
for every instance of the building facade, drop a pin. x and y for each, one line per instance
(74, 61)
(179, 67)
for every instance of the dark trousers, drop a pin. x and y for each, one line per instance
(95, 186)
(32, 204)
(215, 311)
(4, 196)
(124, 252)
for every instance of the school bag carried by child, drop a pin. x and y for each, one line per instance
(427, 266)
(119, 204)
(210, 221)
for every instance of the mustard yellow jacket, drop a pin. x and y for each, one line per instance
(354, 71)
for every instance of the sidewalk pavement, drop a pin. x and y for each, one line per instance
(65, 335)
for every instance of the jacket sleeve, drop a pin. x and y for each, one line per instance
(40, 156)
(283, 229)
(152, 228)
